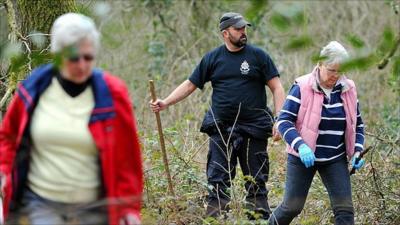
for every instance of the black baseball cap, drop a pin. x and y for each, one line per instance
(232, 19)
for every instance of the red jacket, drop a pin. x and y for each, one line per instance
(113, 128)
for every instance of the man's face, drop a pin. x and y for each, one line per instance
(236, 36)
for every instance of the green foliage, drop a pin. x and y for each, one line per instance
(286, 16)
(359, 63)
(299, 43)
(317, 58)
(355, 41)
(20, 60)
(160, 4)
(85, 9)
(395, 73)
(280, 22)
(157, 50)
(387, 41)
(311, 220)
(256, 10)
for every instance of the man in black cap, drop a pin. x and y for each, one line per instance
(238, 121)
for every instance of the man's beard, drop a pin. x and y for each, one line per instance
(242, 41)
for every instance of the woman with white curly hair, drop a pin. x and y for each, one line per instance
(321, 124)
(69, 139)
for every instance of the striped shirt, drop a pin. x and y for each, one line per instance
(330, 142)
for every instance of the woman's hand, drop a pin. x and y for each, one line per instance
(130, 219)
(357, 162)
(2, 182)
(306, 155)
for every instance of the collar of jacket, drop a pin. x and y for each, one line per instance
(36, 83)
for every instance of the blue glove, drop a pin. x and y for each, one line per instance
(306, 155)
(356, 162)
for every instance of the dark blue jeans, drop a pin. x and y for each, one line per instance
(221, 169)
(335, 176)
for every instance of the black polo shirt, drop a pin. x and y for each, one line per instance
(237, 78)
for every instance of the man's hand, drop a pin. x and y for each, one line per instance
(279, 98)
(130, 219)
(158, 105)
(275, 133)
(181, 92)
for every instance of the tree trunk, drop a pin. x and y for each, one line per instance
(39, 15)
(25, 17)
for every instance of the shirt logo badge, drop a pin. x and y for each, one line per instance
(245, 68)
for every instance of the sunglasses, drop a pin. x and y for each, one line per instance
(86, 57)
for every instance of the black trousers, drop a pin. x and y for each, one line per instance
(221, 169)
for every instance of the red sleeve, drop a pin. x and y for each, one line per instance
(129, 173)
(10, 133)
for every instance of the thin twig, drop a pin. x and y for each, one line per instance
(391, 142)
(5, 98)
(385, 60)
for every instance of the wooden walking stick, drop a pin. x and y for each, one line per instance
(162, 142)
(165, 158)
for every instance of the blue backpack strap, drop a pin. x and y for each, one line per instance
(104, 105)
(35, 84)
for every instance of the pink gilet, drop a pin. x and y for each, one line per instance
(309, 115)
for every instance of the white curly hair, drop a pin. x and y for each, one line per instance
(71, 28)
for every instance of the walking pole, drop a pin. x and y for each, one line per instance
(164, 155)
(162, 142)
(353, 170)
